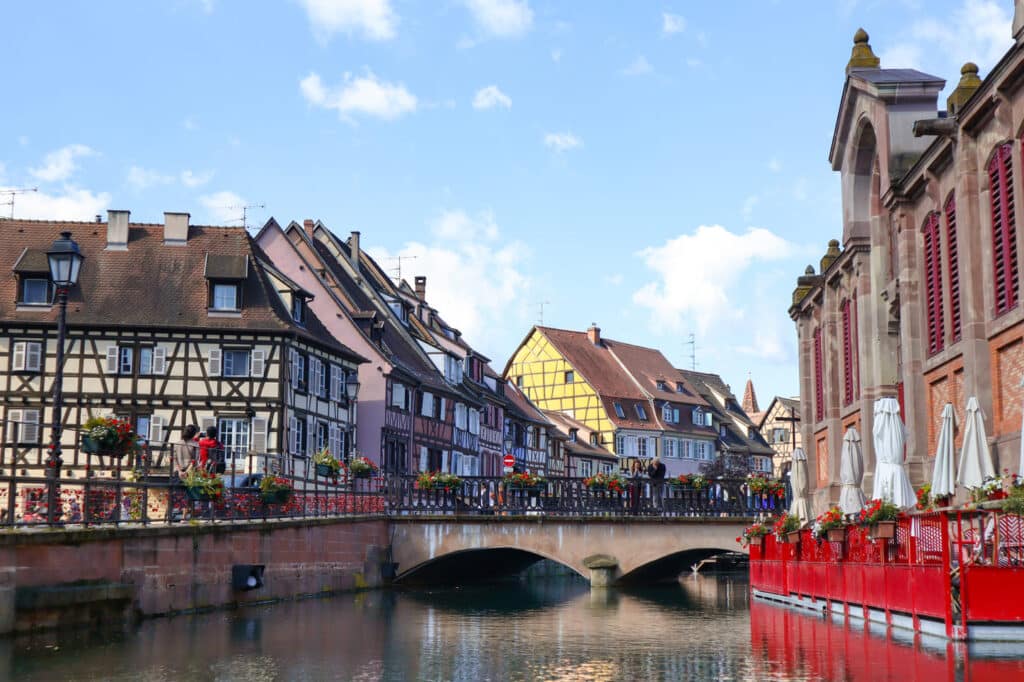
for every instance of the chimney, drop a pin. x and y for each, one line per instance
(117, 230)
(594, 334)
(421, 287)
(1018, 20)
(309, 226)
(353, 247)
(175, 229)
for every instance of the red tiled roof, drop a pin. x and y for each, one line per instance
(151, 284)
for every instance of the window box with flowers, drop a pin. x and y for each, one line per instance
(436, 480)
(275, 490)
(692, 481)
(326, 465)
(361, 467)
(109, 436)
(831, 525)
(880, 516)
(524, 481)
(605, 482)
(754, 534)
(201, 485)
(787, 528)
(995, 488)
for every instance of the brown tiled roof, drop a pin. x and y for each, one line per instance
(581, 446)
(150, 284)
(750, 399)
(594, 363)
(521, 406)
(738, 436)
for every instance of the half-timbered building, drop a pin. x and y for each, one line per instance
(169, 325)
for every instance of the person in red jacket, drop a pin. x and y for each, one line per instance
(208, 449)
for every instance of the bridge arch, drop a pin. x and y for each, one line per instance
(474, 565)
(638, 549)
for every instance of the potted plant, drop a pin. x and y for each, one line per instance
(925, 502)
(524, 481)
(325, 463)
(787, 528)
(831, 525)
(757, 483)
(436, 480)
(202, 485)
(880, 515)
(694, 481)
(754, 534)
(109, 436)
(360, 467)
(610, 482)
(275, 490)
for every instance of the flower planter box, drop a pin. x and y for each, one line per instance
(96, 447)
(836, 534)
(997, 495)
(883, 530)
(792, 537)
(362, 474)
(756, 541)
(276, 497)
(326, 471)
(197, 495)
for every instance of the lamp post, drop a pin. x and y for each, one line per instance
(65, 262)
(351, 391)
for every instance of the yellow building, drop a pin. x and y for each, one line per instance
(631, 397)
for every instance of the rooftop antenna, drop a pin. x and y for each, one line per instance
(245, 213)
(396, 272)
(11, 193)
(540, 312)
(692, 343)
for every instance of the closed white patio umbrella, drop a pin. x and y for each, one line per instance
(798, 478)
(891, 482)
(943, 478)
(975, 459)
(851, 473)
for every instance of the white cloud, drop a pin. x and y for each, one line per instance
(190, 179)
(697, 275)
(459, 226)
(223, 206)
(639, 67)
(69, 204)
(61, 164)
(562, 142)
(475, 278)
(143, 178)
(501, 18)
(360, 95)
(615, 279)
(373, 19)
(977, 31)
(672, 23)
(491, 97)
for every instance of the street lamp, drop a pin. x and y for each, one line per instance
(352, 386)
(65, 262)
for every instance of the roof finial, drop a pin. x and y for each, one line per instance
(862, 56)
(968, 85)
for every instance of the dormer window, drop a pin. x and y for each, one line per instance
(298, 309)
(662, 386)
(572, 435)
(641, 413)
(619, 412)
(36, 291)
(679, 387)
(224, 296)
(593, 439)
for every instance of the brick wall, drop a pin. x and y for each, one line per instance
(945, 384)
(189, 567)
(821, 456)
(1006, 352)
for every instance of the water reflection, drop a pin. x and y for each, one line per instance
(556, 629)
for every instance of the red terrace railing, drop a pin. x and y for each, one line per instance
(960, 568)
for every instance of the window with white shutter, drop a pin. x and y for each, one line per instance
(258, 363)
(13, 425)
(427, 406)
(29, 431)
(335, 383)
(310, 435)
(293, 434)
(110, 367)
(33, 356)
(18, 356)
(159, 360)
(156, 430)
(207, 422)
(424, 456)
(259, 434)
(442, 413)
(213, 362)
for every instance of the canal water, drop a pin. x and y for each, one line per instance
(550, 629)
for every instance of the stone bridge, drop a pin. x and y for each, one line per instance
(605, 551)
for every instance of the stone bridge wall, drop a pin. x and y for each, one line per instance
(50, 578)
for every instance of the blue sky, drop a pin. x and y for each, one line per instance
(658, 168)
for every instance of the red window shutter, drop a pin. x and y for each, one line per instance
(953, 269)
(933, 284)
(1004, 232)
(854, 345)
(844, 308)
(819, 392)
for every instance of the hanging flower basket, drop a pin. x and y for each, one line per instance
(97, 447)
(325, 470)
(793, 537)
(275, 490)
(108, 436)
(361, 467)
(883, 530)
(276, 497)
(197, 494)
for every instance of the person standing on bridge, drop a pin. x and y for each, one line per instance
(636, 473)
(656, 472)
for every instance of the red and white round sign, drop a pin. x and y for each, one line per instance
(509, 461)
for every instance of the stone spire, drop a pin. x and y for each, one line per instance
(968, 85)
(750, 399)
(862, 56)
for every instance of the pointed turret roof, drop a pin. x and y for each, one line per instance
(750, 398)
